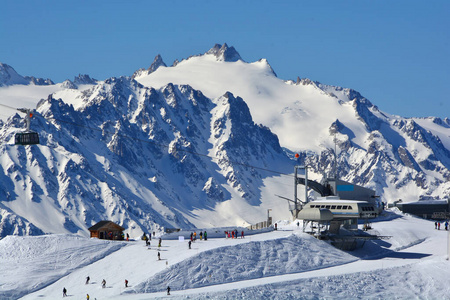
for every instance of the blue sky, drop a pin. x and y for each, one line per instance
(395, 53)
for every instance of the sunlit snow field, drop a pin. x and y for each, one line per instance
(283, 264)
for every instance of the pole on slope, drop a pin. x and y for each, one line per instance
(295, 193)
(448, 245)
(306, 183)
(296, 202)
(335, 157)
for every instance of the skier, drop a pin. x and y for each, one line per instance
(128, 237)
(192, 236)
(232, 234)
(126, 283)
(168, 290)
(64, 292)
(201, 235)
(446, 225)
(195, 236)
(159, 256)
(439, 225)
(189, 243)
(435, 225)
(103, 283)
(159, 245)
(242, 234)
(145, 238)
(204, 235)
(87, 297)
(87, 280)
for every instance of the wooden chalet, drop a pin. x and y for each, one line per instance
(107, 230)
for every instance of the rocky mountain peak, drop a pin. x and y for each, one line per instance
(9, 76)
(84, 79)
(157, 62)
(224, 53)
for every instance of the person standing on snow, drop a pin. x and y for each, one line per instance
(242, 234)
(126, 283)
(204, 235)
(201, 235)
(159, 244)
(168, 290)
(189, 243)
(103, 283)
(64, 292)
(87, 280)
(159, 256)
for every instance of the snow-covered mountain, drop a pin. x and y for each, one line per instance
(181, 146)
(9, 76)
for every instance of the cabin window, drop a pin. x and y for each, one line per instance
(328, 206)
(333, 206)
(344, 207)
(312, 206)
(339, 207)
(349, 207)
(322, 206)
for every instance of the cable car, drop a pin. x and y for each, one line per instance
(26, 138)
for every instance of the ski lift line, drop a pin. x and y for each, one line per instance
(9, 106)
(177, 149)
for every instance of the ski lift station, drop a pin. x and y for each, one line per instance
(341, 205)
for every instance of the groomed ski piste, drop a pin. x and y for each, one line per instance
(282, 264)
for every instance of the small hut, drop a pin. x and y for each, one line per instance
(107, 230)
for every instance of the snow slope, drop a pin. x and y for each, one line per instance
(283, 264)
(35, 262)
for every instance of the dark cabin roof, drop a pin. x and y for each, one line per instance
(101, 224)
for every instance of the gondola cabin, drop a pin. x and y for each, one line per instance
(26, 138)
(107, 230)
